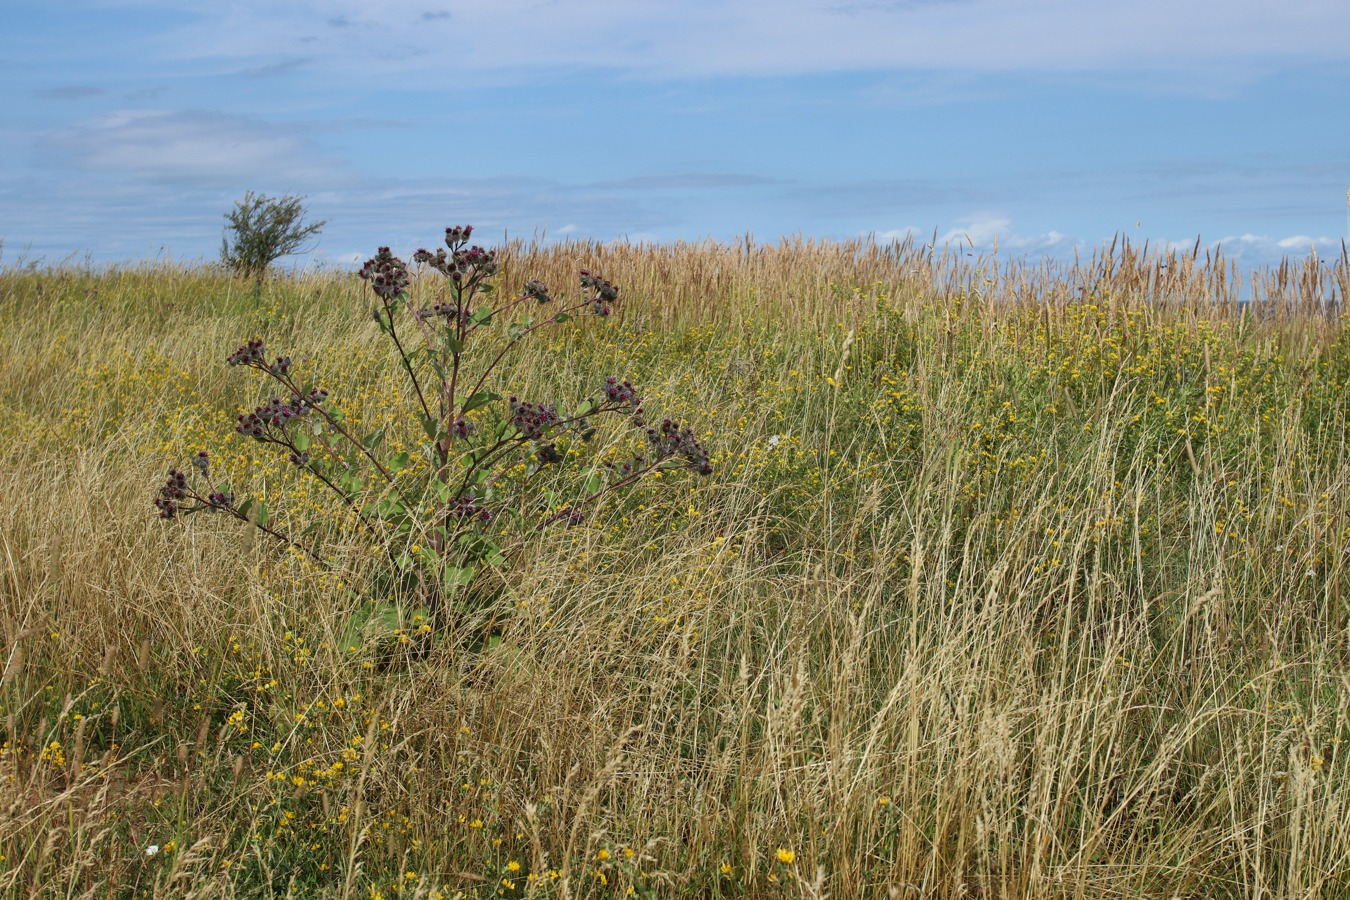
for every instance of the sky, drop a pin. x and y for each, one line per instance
(132, 126)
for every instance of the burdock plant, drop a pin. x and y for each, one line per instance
(439, 520)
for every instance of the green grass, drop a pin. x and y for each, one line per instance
(1008, 583)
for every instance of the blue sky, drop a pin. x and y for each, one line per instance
(131, 126)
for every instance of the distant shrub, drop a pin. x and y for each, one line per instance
(262, 229)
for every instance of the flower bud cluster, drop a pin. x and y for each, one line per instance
(533, 418)
(465, 508)
(277, 413)
(623, 392)
(672, 440)
(473, 263)
(450, 311)
(170, 495)
(220, 500)
(254, 355)
(462, 428)
(604, 292)
(537, 290)
(387, 274)
(457, 236)
(251, 354)
(175, 490)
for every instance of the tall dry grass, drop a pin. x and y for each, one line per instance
(1011, 582)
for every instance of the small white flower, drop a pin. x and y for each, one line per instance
(152, 850)
(773, 440)
(1309, 574)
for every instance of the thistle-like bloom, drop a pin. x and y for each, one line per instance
(387, 274)
(604, 292)
(533, 418)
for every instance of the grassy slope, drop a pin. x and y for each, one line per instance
(1020, 598)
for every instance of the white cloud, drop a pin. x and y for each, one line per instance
(985, 231)
(192, 146)
(703, 37)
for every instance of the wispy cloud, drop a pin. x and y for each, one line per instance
(704, 37)
(69, 92)
(687, 181)
(195, 147)
(273, 70)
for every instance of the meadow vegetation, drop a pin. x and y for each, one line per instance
(1007, 582)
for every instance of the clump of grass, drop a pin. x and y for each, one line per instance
(1007, 581)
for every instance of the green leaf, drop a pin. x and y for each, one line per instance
(243, 508)
(456, 578)
(263, 515)
(373, 439)
(583, 408)
(316, 426)
(482, 317)
(515, 332)
(454, 344)
(482, 398)
(431, 428)
(561, 317)
(399, 462)
(301, 441)
(442, 491)
(593, 484)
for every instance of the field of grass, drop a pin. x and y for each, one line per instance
(1008, 583)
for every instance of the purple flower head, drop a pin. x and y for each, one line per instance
(219, 500)
(458, 236)
(672, 440)
(622, 392)
(465, 508)
(387, 274)
(533, 418)
(603, 295)
(251, 354)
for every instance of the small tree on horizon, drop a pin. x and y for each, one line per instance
(262, 229)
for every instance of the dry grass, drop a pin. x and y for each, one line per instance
(1010, 582)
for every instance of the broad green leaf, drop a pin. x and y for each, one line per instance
(316, 426)
(583, 408)
(482, 317)
(263, 515)
(593, 484)
(399, 462)
(454, 344)
(301, 441)
(430, 428)
(244, 508)
(373, 439)
(561, 317)
(455, 578)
